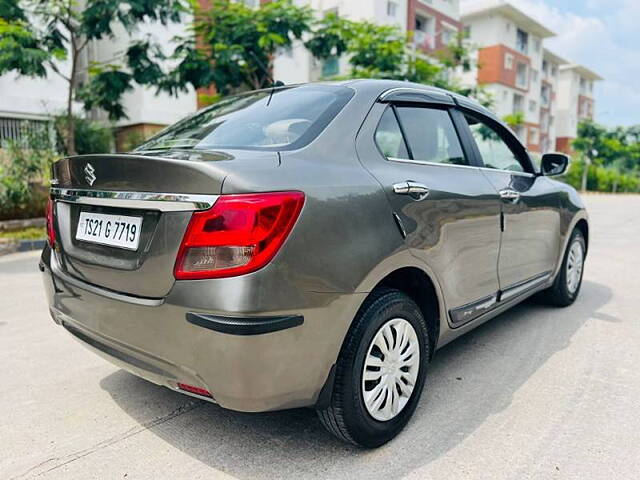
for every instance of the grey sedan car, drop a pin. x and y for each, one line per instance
(309, 246)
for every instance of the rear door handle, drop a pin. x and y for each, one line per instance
(510, 195)
(416, 190)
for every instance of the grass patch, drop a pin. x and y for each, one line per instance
(30, 233)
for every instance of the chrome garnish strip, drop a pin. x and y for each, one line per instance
(165, 202)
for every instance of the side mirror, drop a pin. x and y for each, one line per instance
(553, 164)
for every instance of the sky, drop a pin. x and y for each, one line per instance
(604, 36)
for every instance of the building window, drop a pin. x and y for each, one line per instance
(522, 41)
(554, 71)
(533, 105)
(508, 61)
(330, 67)
(423, 31)
(518, 103)
(534, 76)
(251, 3)
(544, 121)
(545, 95)
(536, 45)
(467, 31)
(19, 129)
(448, 35)
(392, 8)
(534, 136)
(522, 75)
(545, 67)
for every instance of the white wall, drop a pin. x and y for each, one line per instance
(298, 65)
(142, 104)
(450, 8)
(568, 87)
(25, 97)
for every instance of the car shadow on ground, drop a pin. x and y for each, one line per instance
(469, 380)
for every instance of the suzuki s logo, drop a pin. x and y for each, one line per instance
(89, 173)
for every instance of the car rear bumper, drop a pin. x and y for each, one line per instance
(250, 360)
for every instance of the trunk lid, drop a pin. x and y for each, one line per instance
(162, 190)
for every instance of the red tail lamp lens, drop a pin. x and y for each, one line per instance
(51, 231)
(238, 235)
(192, 389)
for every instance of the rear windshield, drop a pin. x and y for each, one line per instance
(275, 119)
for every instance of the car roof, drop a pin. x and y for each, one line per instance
(383, 86)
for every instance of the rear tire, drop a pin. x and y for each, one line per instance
(566, 287)
(365, 373)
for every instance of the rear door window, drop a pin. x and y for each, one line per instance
(389, 136)
(493, 149)
(431, 135)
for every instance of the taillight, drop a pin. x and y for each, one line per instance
(239, 234)
(51, 231)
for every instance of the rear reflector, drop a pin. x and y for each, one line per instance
(50, 218)
(238, 235)
(196, 390)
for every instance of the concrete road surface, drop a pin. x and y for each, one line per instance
(535, 393)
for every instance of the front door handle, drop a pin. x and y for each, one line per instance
(416, 190)
(509, 195)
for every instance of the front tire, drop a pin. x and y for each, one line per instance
(566, 287)
(380, 371)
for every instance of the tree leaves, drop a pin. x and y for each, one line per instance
(100, 16)
(104, 90)
(21, 50)
(236, 44)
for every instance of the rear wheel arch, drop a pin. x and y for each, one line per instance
(583, 226)
(417, 285)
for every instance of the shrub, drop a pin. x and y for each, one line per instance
(90, 137)
(24, 178)
(602, 179)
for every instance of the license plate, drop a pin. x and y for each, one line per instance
(114, 230)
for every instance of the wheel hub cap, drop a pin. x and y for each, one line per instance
(390, 369)
(574, 267)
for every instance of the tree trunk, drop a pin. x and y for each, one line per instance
(585, 174)
(71, 127)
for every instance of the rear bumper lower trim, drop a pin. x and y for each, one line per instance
(244, 325)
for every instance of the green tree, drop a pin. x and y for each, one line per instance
(514, 120)
(381, 51)
(30, 159)
(609, 159)
(36, 34)
(232, 46)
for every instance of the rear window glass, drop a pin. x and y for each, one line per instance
(275, 119)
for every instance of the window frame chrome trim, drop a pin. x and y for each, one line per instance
(165, 202)
(437, 164)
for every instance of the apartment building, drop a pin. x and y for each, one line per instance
(526, 78)
(433, 23)
(575, 102)
(550, 75)
(509, 63)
